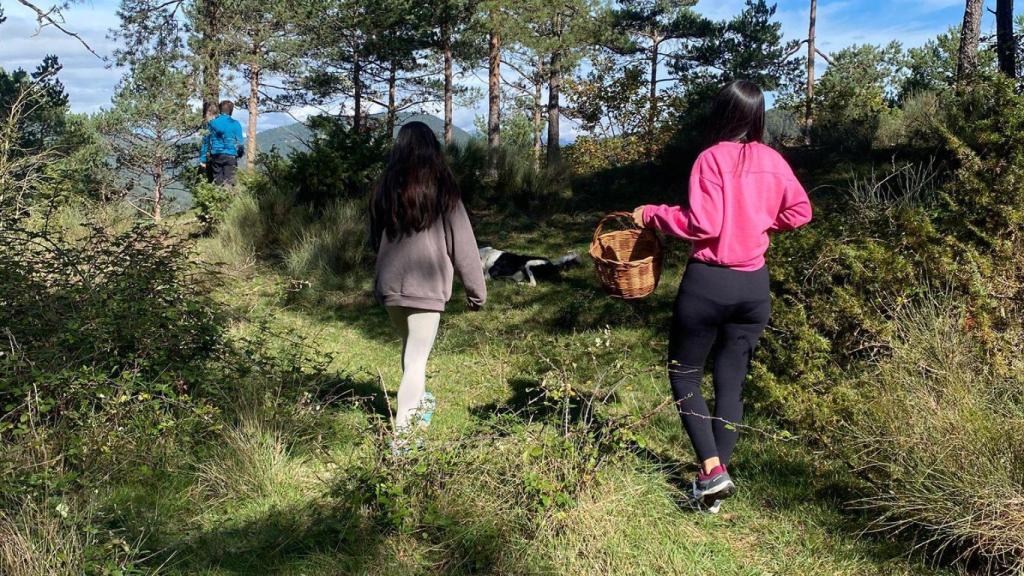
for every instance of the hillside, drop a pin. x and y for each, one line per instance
(289, 138)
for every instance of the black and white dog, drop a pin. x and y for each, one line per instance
(499, 264)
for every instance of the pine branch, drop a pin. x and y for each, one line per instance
(50, 18)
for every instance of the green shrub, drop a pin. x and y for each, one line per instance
(983, 203)
(341, 163)
(939, 435)
(211, 203)
(109, 338)
(913, 125)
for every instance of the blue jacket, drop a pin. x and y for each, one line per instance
(204, 150)
(224, 137)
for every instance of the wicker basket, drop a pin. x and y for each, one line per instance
(628, 262)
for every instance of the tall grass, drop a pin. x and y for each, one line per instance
(322, 246)
(514, 178)
(332, 246)
(50, 539)
(238, 236)
(35, 541)
(941, 438)
(251, 461)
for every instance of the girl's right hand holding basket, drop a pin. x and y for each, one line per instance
(638, 216)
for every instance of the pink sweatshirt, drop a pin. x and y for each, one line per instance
(738, 194)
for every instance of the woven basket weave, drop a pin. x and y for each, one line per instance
(628, 262)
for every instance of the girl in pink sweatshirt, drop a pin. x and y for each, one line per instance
(741, 191)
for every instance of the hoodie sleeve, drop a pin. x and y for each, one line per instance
(465, 255)
(702, 219)
(795, 210)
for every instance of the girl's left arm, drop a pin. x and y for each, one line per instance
(465, 255)
(796, 208)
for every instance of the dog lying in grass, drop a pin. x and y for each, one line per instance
(499, 264)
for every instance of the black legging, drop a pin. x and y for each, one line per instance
(723, 311)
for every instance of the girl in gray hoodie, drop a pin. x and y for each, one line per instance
(423, 238)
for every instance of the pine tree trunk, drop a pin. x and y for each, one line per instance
(210, 67)
(970, 36)
(494, 93)
(811, 55)
(392, 107)
(554, 109)
(652, 107)
(357, 87)
(538, 116)
(158, 191)
(448, 85)
(254, 114)
(1007, 40)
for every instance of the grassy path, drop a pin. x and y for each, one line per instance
(499, 490)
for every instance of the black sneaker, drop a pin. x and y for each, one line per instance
(710, 488)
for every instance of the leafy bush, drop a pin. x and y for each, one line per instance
(211, 203)
(341, 163)
(939, 436)
(108, 337)
(588, 155)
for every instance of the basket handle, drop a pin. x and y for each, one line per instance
(605, 220)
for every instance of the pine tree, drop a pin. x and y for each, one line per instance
(560, 31)
(1006, 38)
(403, 77)
(261, 40)
(970, 36)
(169, 26)
(454, 35)
(751, 47)
(151, 128)
(652, 30)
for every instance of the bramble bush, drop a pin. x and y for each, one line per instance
(106, 335)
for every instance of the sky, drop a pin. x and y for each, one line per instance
(90, 82)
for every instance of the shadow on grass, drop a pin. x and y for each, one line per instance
(349, 534)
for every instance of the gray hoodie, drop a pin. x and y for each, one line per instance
(417, 271)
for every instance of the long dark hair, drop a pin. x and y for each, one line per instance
(417, 186)
(737, 114)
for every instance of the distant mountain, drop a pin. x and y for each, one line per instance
(294, 137)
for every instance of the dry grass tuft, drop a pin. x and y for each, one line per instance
(942, 437)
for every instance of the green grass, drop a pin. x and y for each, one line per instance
(499, 489)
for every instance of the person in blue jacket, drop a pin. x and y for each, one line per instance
(223, 145)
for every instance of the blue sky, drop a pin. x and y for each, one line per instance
(90, 82)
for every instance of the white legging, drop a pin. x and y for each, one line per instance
(418, 329)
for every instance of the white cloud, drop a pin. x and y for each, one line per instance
(88, 79)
